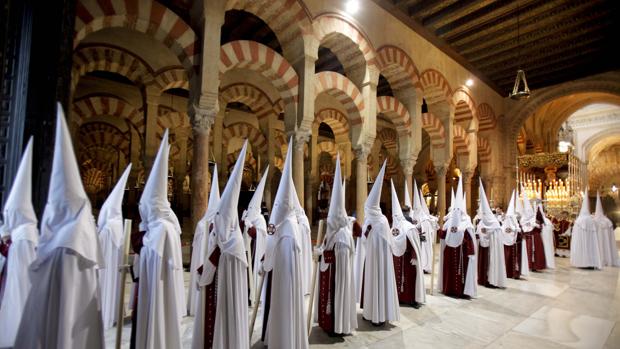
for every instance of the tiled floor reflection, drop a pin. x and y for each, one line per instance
(565, 308)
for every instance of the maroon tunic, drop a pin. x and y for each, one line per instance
(483, 266)
(211, 302)
(512, 258)
(4, 250)
(455, 262)
(327, 288)
(538, 260)
(406, 275)
(528, 239)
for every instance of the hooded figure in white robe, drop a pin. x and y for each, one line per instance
(225, 264)
(492, 266)
(284, 319)
(199, 244)
(547, 237)
(427, 225)
(110, 229)
(337, 310)
(376, 283)
(306, 247)
(161, 293)
(584, 244)
(461, 280)
(514, 251)
(253, 219)
(63, 307)
(20, 225)
(606, 236)
(407, 234)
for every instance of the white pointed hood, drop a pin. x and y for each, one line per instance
(452, 199)
(154, 203)
(510, 211)
(397, 212)
(460, 196)
(528, 216)
(285, 201)
(408, 197)
(226, 220)
(455, 231)
(254, 207)
(372, 206)
(487, 218)
(111, 213)
(337, 215)
(18, 209)
(585, 205)
(418, 211)
(599, 213)
(214, 197)
(67, 219)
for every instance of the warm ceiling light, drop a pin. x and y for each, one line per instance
(469, 82)
(352, 6)
(614, 188)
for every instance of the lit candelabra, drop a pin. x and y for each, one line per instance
(558, 195)
(533, 187)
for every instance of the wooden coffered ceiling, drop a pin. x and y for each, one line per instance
(560, 40)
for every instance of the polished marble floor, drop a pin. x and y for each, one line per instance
(563, 308)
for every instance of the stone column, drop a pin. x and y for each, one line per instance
(441, 191)
(301, 138)
(180, 166)
(467, 176)
(202, 121)
(151, 106)
(407, 166)
(361, 157)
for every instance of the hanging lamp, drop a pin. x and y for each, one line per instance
(520, 89)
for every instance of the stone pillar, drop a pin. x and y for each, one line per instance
(441, 191)
(151, 106)
(407, 166)
(202, 121)
(361, 157)
(301, 138)
(180, 166)
(467, 176)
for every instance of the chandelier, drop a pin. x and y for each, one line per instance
(520, 89)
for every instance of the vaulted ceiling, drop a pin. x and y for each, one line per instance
(560, 40)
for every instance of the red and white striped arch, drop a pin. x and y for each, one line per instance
(260, 58)
(145, 16)
(328, 147)
(172, 120)
(389, 138)
(326, 29)
(396, 112)
(436, 87)
(344, 90)
(484, 149)
(336, 120)
(173, 77)
(398, 68)
(460, 140)
(112, 59)
(250, 95)
(288, 19)
(94, 106)
(465, 106)
(433, 126)
(245, 131)
(100, 138)
(486, 117)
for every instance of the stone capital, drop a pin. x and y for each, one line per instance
(467, 176)
(362, 152)
(441, 170)
(301, 138)
(203, 118)
(407, 165)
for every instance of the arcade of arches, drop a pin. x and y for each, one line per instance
(364, 85)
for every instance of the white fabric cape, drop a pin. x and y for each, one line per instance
(161, 294)
(492, 238)
(306, 250)
(21, 255)
(584, 244)
(547, 238)
(286, 326)
(259, 223)
(109, 276)
(607, 241)
(471, 276)
(408, 232)
(375, 265)
(63, 312)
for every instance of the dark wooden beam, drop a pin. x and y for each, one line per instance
(437, 42)
(454, 11)
(574, 26)
(422, 8)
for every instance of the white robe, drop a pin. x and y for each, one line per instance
(471, 274)
(380, 296)
(286, 325)
(607, 241)
(109, 277)
(408, 232)
(161, 290)
(259, 244)
(21, 255)
(306, 253)
(547, 238)
(345, 311)
(426, 247)
(63, 306)
(584, 244)
(199, 245)
(497, 264)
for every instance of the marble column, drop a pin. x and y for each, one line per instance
(180, 166)
(408, 165)
(361, 157)
(441, 191)
(151, 143)
(467, 177)
(202, 121)
(301, 138)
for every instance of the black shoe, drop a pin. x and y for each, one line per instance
(378, 324)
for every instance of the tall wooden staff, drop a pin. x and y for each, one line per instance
(433, 265)
(123, 270)
(314, 272)
(255, 310)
